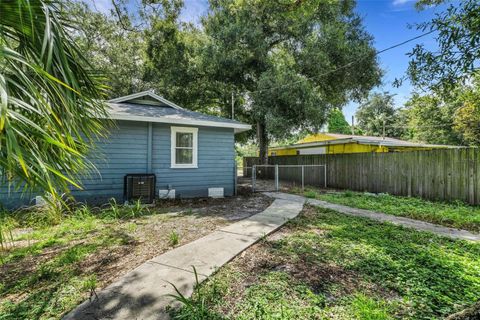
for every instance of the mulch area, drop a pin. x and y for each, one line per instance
(152, 233)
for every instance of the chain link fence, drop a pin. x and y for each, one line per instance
(282, 177)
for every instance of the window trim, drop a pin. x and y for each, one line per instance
(173, 147)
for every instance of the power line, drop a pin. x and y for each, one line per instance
(421, 126)
(351, 62)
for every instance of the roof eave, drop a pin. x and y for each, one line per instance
(238, 127)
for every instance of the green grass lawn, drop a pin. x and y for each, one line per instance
(457, 215)
(325, 265)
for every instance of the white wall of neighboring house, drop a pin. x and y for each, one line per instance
(317, 150)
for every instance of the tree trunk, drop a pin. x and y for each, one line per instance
(262, 139)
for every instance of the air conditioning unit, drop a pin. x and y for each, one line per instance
(139, 186)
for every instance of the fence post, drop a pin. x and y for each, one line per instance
(254, 173)
(276, 177)
(325, 175)
(303, 178)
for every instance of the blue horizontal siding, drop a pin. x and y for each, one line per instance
(125, 151)
(215, 162)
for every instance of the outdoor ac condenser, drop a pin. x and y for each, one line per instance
(139, 186)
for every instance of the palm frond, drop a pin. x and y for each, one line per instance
(50, 99)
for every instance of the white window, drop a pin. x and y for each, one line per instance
(184, 147)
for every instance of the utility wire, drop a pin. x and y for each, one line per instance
(350, 63)
(421, 126)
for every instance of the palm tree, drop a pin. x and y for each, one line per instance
(50, 100)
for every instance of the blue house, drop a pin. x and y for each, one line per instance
(191, 154)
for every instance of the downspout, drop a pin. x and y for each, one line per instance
(149, 147)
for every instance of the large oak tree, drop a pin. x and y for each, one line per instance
(290, 61)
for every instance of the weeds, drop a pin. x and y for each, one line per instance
(192, 308)
(173, 238)
(114, 208)
(83, 212)
(348, 194)
(138, 208)
(132, 227)
(90, 284)
(331, 266)
(310, 194)
(364, 307)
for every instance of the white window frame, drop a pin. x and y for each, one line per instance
(173, 142)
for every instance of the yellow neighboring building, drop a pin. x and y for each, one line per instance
(333, 143)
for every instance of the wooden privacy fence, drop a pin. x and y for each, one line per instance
(443, 174)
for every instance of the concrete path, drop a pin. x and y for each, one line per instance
(406, 222)
(142, 293)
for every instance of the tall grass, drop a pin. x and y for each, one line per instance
(42, 217)
(195, 308)
(116, 211)
(138, 209)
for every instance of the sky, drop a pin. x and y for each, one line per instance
(388, 21)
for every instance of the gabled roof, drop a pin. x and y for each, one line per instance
(144, 94)
(147, 106)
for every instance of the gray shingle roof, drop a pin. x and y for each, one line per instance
(125, 110)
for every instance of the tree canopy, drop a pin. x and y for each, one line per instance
(111, 48)
(456, 57)
(337, 123)
(286, 61)
(428, 119)
(378, 113)
(445, 119)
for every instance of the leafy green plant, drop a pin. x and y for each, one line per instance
(132, 227)
(365, 307)
(173, 238)
(348, 194)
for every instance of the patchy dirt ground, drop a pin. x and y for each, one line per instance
(47, 275)
(189, 219)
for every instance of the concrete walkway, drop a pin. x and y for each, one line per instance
(142, 293)
(406, 222)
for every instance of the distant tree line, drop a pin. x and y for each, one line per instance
(445, 106)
